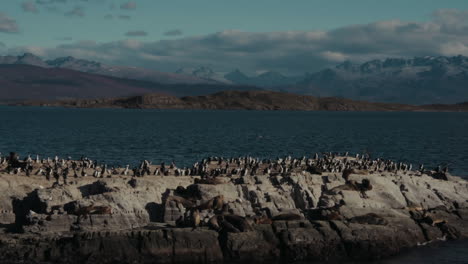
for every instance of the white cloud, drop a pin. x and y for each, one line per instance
(136, 33)
(286, 51)
(173, 33)
(334, 56)
(7, 24)
(454, 48)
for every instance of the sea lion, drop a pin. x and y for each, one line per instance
(101, 210)
(241, 223)
(212, 181)
(346, 173)
(181, 191)
(365, 185)
(215, 203)
(185, 202)
(431, 220)
(352, 185)
(262, 220)
(325, 214)
(226, 225)
(213, 223)
(85, 211)
(287, 217)
(369, 219)
(218, 202)
(195, 218)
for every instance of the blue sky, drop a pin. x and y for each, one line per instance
(198, 17)
(147, 21)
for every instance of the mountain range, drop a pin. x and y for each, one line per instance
(268, 79)
(420, 80)
(20, 82)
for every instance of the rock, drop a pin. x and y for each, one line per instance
(260, 245)
(97, 187)
(294, 216)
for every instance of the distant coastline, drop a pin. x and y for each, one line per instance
(242, 100)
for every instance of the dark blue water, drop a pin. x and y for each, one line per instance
(128, 136)
(451, 252)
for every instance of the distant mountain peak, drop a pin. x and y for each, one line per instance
(203, 72)
(73, 63)
(28, 55)
(417, 80)
(236, 76)
(26, 58)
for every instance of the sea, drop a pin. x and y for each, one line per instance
(128, 136)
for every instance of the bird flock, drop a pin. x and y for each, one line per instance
(208, 168)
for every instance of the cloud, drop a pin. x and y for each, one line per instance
(128, 6)
(136, 33)
(173, 33)
(124, 17)
(450, 16)
(29, 6)
(48, 2)
(7, 24)
(76, 12)
(285, 51)
(51, 2)
(65, 39)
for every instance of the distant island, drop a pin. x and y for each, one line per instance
(243, 100)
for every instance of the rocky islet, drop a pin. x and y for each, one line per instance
(327, 207)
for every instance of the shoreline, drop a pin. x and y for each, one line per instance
(231, 109)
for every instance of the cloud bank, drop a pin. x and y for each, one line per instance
(173, 33)
(287, 51)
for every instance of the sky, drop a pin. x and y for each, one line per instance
(293, 37)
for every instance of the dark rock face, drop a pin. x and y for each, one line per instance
(260, 216)
(158, 246)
